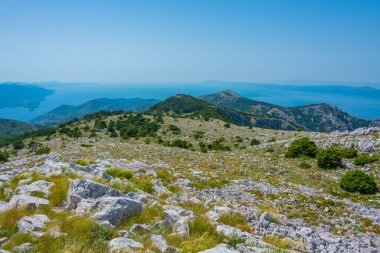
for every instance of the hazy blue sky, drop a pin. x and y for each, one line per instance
(168, 41)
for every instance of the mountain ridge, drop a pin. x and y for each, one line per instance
(320, 117)
(68, 112)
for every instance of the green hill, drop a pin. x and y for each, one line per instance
(187, 105)
(12, 128)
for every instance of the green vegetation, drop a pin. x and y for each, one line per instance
(174, 129)
(181, 144)
(255, 142)
(349, 153)
(218, 145)
(358, 181)
(203, 235)
(19, 144)
(329, 158)
(136, 126)
(235, 219)
(120, 173)
(42, 151)
(364, 159)
(143, 183)
(4, 156)
(304, 165)
(302, 147)
(72, 133)
(282, 243)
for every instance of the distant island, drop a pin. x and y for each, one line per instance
(18, 95)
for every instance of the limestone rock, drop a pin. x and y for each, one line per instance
(32, 223)
(27, 201)
(38, 186)
(122, 244)
(160, 243)
(221, 248)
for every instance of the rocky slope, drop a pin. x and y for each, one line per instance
(136, 191)
(318, 117)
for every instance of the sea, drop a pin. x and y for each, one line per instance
(359, 101)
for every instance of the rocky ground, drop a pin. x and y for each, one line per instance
(103, 194)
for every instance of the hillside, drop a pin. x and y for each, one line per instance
(143, 183)
(187, 105)
(67, 112)
(12, 128)
(319, 117)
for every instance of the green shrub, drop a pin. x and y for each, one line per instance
(42, 151)
(364, 159)
(4, 156)
(302, 147)
(329, 158)
(349, 153)
(181, 144)
(198, 134)
(358, 181)
(255, 142)
(174, 129)
(120, 173)
(18, 145)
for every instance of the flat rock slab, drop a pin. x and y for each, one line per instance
(27, 201)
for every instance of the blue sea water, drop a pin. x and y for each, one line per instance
(362, 102)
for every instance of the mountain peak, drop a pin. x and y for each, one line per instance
(230, 93)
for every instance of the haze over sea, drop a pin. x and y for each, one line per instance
(362, 102)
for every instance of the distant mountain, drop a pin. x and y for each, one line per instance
(11, 128)
(187, 105)
(68, 112)
(20, 95)
(318, 117)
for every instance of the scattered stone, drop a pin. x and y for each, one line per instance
(122, 244)
(160, 243)
(221, 248)
(171, 217)
(32, 223)
(138, 228)
(181, 228)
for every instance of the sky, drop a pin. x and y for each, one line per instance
(190, 41)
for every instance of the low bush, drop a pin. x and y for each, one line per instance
(349, 153)
(4, 156)
(42, 151)
(181, 144)
(18, 145)
(364, 159)
(255, 142)
(302, 147)
(329, 158)
(358, 181)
